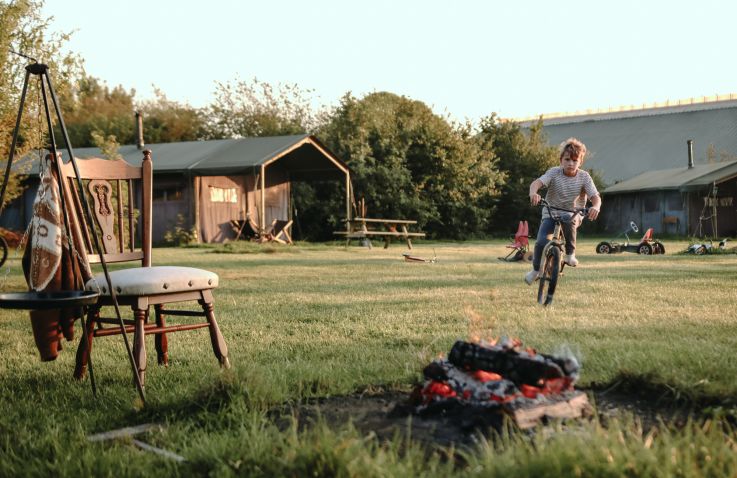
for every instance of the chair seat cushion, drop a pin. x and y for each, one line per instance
(154, 280)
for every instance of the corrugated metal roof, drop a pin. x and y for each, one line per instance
(623, 147)
(677, 178)
(214, 157)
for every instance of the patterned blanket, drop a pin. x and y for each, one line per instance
(49, 264)
(46, 231)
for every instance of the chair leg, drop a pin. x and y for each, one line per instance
(218, 342)
(139, 344)
(160, 340)
(85, 347)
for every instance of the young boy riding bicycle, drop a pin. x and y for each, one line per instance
(568, 188)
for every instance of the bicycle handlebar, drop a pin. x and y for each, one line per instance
(583, 211)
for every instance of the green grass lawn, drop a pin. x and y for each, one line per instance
(322, 320)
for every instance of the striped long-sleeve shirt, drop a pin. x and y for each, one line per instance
(567, 192)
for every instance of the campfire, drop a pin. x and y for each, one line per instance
(484, 382)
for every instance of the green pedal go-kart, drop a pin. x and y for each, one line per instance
(647, 245)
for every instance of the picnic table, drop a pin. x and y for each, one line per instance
(387, 229)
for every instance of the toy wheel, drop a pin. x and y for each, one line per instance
(658, 247)
(528, 256)
(518, 256)
(645, 249)
(604, 248)
(701, 250)
(549, 277)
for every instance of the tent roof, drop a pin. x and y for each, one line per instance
(304, 153)
(622, 145)
(682, 179)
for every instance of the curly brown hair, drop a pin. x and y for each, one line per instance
(573, 146)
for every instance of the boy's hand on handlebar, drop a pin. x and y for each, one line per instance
(535, 199)
(593, 213)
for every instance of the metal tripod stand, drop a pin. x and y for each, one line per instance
(42, 71)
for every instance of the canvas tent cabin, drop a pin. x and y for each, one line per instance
(626, 142)
(206, 184)
(696, 201)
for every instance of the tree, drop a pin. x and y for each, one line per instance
(255, 108)
(522, 158)
(167, 121)
(408, 162)
(24, 30)
(109, 147)
(95, 107)
(92, 106)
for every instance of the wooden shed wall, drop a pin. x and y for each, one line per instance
(649, 208)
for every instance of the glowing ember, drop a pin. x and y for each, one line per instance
(502, 377)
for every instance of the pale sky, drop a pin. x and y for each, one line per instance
(467, 58)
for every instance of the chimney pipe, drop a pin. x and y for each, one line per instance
(690, 153)
(139, 130)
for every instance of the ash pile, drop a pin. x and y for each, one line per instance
(480, 384)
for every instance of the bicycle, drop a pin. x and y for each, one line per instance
(552, 263)
(3, 250)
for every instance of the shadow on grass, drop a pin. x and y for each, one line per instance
(247, 247)
(651, 399)
(214, 399)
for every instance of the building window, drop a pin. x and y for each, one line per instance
(168, 193)
(675, 202)
(651, 203)
(223, 195)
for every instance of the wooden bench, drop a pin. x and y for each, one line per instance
(367, 228)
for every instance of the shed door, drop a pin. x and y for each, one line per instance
(222, 199)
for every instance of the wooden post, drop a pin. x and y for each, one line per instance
(262, 208)
(714, 223)
(147, 192)
(190, 209)
(197, 188)
(348, 196)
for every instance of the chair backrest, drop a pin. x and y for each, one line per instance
(670, 220)
(648, 235)
(117, 192)
(523, 231)
(520, 231)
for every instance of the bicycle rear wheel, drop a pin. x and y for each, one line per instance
(549, 277)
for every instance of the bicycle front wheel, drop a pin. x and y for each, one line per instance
(3, 250)
(549, 276)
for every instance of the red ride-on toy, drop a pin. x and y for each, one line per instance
(521, 245)
(647, 245)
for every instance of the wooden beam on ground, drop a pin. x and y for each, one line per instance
(574, 407)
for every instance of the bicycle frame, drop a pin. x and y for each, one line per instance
(555, 239)
(551, 260)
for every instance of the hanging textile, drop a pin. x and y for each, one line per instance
(50, 264)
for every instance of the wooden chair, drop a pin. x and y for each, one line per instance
(238, 226)
(520, 246)
(112, 187)
(279, 231)
(671, 220)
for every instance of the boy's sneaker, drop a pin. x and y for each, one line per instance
(531, 276)
(570, 260)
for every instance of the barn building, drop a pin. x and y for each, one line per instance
(653, 176)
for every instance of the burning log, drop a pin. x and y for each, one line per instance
(525, 367)
(497, 380)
